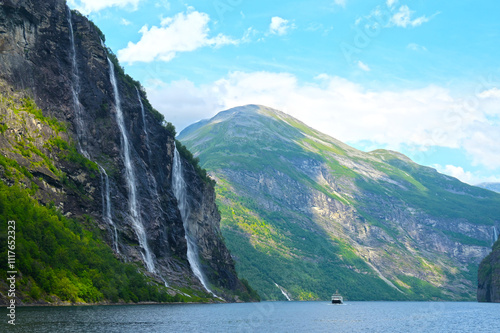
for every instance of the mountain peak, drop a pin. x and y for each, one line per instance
(298, 203)
(249, 109)
(387, 155)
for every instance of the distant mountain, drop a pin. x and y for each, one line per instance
(490, 186)
(305, 215)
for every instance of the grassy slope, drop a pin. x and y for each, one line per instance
(445, 196)
(268, 244)
(273, 248)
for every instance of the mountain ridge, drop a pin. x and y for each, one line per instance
(387, 213)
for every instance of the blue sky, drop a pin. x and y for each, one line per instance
(420, 77)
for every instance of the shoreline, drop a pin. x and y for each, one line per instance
(68, 304)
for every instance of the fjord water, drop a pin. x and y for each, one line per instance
(264, 317)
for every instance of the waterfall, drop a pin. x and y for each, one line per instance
(180, 192)
(495, 233)
(282, 291)
(81, 132)
(106, 206)
(144, 124)
(151, 178)
(75, 91)
(133, 203)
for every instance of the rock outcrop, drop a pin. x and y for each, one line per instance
(57, 58)
(489, 277)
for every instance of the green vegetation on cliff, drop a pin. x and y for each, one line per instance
(57, 258)
(272, 249)
(66, 258)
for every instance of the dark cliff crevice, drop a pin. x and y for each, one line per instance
(489, 277)
(36, 58)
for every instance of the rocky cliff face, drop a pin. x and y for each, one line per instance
(57, 58)
(311, 214)
(489, 277)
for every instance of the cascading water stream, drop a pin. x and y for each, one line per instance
(133, 204)
(282, 291)
(144, 123)
(180, 192)
(81, 132)
(151, 178)
(75, 90)
(106, 206)
(495, 233)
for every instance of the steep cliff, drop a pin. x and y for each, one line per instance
(489, 277)
(308, 214)
(97, 163)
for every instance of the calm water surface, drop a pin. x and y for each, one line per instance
(262, 317)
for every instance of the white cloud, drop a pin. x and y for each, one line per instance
(182, 102)
(125, 22)
(391, 16)
(420, 118)
(456, 171)
(162, 4)
(339, 2)
(403, 18)
(482, 144)
(322, 76)
(416, 47)
(491, 93)
(182, 33)
(363, 66)
(90, 6)
(364, 114)
(391, 3)
(279, 26)
(464, 176)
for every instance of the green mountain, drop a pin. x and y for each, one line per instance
(304, 214)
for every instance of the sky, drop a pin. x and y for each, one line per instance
(420, 77)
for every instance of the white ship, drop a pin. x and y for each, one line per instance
(337, 299)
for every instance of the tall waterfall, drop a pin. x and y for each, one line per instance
(75, 90)
(151, 178)
(180, 192)
(495, 233)
(133, 203)
(81, 132)
(144, 123)
(106, 206)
